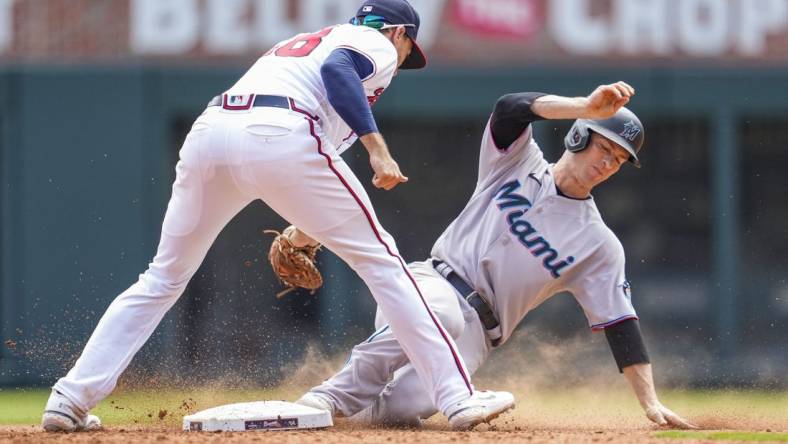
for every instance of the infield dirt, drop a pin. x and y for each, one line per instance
(539, 418)
(506, 431)
(557, 402)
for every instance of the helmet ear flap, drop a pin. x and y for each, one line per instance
(577, 138)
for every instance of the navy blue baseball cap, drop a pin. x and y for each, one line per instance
(380, 14)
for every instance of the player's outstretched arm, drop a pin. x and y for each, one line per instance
(513, 113)
(629, 350)
(602, 103)
(642, 382)
(342, 73)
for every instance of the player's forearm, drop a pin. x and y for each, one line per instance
(387, 173)
(642, 382)
(602, 103)
(559, 107)
(375, 145)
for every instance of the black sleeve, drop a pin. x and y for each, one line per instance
(626, 343)
(511, 116)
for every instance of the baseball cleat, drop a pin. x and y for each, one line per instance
(61, 415)
(316, 402)
(92, 422)
(482, 406)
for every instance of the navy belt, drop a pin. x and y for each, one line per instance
(483, 309)
(243, 102)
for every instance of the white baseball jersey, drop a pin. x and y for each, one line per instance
(287, 158)
(292, 67)
(518, 241)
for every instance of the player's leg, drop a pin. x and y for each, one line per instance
(204, 198)
(403, 401)
(328, 202)
(372, 362)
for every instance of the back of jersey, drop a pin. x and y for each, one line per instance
(292, 68)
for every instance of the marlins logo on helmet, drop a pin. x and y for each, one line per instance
(631, 130)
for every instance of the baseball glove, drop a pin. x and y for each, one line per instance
(294, 266)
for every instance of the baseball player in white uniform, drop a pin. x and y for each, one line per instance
(530, 230)
(276, 135)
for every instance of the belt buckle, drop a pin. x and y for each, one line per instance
(237, 103)
(470, 296)
(493, 332)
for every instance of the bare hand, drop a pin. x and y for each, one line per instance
(663, 416)
(607, 99)
(387, 173)
(298, 237)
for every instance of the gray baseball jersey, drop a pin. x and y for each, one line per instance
(518, 241)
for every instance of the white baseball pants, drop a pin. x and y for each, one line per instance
(228, 159)
(379, 385)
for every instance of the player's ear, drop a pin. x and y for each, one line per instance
(400, 32)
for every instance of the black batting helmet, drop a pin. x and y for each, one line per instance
(624, 128)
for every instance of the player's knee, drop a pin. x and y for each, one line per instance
(163, 283)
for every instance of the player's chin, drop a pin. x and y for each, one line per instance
(610, 174)
(597, 180)
(601, 180)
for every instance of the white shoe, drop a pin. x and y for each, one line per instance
(92, 422)
(61, 415)
(482, 406)
(316, 402)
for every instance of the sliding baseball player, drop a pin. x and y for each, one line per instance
(530, 230)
